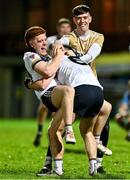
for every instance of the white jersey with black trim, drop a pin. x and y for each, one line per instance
(51, 40)
(73, 74)
(29, 59)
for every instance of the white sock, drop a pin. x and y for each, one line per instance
(48, 161)
(58, 164)
(92, 164)
(68, 128)
(92, 161)
(97, 138)
(99, 162)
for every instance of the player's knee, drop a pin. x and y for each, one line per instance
(106, 108)
(109, 107)
(69, 91)
(85, 134)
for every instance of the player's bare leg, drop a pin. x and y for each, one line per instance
(56, 148)
(63, 96)
(86, 130)
(56, 144)
(56, 132)
(101, 132)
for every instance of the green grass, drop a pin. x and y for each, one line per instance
(19, 159)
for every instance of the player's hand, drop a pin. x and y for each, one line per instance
(27, 81)
(58, 49)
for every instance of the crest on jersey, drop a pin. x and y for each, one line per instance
(32, 56)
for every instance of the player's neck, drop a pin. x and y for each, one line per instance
(43, 54)
(81, 32)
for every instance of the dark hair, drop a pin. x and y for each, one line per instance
(32, 32)
(81, 9)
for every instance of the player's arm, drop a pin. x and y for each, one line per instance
(48, 70)
(92, 53)
(94, 50)
(37, 85)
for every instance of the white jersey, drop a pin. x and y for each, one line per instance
(74, 74)
(29, 59)
(51, 40)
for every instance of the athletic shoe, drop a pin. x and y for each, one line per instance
(69, 137)
(58, 171)
(44, 171)
(37, 140)
(128, 137)
(101, 170)
(104, 149)
(93, 169)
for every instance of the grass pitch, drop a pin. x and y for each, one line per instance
(19, 159)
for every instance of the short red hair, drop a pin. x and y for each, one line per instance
(32, 32)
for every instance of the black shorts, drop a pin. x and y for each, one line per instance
(88, 100)
(46, 100)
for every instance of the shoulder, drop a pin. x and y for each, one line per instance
(72, 34)
(31, 56)
(97, 37)
(95, 34)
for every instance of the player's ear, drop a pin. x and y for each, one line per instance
(90, 19)
(31, 43)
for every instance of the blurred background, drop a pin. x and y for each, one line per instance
(110, 17)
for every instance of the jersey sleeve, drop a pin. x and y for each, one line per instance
(31, 59)
(99, 39)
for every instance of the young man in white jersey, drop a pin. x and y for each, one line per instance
(63, 27)
(86, 105)
(40, 66)
(87, 44)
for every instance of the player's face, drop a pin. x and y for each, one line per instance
(82, 21)
(64, 29)
(39, 43)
